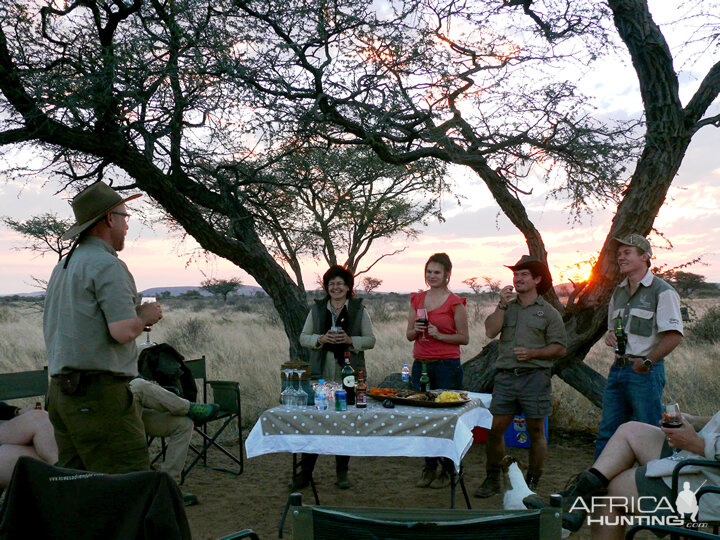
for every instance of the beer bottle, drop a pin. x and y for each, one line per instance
(361, 391)
(348, 380)
(621, 338)
(424, 379)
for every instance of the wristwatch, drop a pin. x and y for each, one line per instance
(647, 362)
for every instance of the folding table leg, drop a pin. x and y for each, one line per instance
(456, 479)
(295, 466)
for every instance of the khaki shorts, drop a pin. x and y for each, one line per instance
(529, 393)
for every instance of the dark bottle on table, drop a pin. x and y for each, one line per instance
(348, 380)
(361, 391)
(424, 379)
(621, 338)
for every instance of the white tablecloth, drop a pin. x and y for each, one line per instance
(360, 441)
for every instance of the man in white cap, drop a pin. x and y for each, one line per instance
(91, 320)
(650, 324)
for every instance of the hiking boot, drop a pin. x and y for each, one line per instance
(428, 475)
(532, 480)
(492, 485)
(441, 481)
(201, 412)
(189, 499)
(342, 479)
(583, 486)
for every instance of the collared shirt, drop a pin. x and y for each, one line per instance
(533, 326)
(653, 308)
(96, 289)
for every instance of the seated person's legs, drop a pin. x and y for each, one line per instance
(153, 396)
(29, 434)
(177, 431)
(632, 442)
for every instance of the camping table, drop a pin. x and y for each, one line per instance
(374, 431)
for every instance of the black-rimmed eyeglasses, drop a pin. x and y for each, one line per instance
(123, 214)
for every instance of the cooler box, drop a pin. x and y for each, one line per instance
(516, 434)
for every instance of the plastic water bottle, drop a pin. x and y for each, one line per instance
(321, 402)
(405, 372)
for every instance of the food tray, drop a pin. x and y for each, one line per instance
(420, 402)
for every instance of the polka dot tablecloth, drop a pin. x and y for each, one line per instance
(403, 430)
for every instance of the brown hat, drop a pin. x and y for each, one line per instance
(91, 204)
(636, 240)
(538, 268)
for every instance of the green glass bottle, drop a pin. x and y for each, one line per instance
(424, 379)
(621, 338)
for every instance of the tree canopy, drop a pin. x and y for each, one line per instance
(202, 104)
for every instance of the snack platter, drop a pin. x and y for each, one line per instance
(418, 399)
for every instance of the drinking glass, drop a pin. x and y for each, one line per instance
(422, 317)
(672, 419)
(287, 396)
(301, 396)
(148, 328)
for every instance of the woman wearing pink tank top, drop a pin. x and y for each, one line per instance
(437, 343)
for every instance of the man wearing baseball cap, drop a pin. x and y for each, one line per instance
(648, 310)
(90, 323)
(532, 335)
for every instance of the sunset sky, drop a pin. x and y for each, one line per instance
(478, 238)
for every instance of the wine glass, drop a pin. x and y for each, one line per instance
(422, 318)
(301, 396)
(287, 396)
(148, 328)
(672, 419)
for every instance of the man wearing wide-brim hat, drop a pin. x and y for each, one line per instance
(645, 310)
(90, 323)
(532, 335)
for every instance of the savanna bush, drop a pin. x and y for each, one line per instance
(707, 328)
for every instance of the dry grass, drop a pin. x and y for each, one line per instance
(246, 343)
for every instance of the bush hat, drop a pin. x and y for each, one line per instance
(538, 268)
(91, 204)
(636, 240)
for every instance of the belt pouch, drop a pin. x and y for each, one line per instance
(71, 384)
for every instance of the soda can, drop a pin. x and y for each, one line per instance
(341, 400)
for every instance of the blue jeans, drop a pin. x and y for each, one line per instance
(446, 374)
(630, 396)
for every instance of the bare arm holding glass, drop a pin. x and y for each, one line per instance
(127, 330)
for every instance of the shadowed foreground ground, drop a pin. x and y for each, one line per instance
(256, 498)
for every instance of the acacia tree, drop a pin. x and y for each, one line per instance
(135, 92)
(221, 287)
(480, 84)
(44, 233)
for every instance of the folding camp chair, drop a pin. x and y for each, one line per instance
(683, 532)
(226, 394)
(23, 384)
(325, 523)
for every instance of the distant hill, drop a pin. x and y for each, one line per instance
(244, 290)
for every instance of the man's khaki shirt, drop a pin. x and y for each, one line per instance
(96, 289)
(533, 326)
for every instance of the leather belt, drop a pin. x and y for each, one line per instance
(627, 360)
(521, 370)
(99, 377)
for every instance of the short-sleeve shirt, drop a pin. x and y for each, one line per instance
(533, 326)
(443, 317)
(96, 289)
(654, 308)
